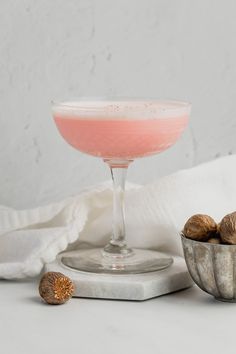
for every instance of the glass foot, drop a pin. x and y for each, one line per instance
(136, 262)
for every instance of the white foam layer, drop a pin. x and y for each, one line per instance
(130, 109)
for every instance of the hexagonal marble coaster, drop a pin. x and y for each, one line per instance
(126, 287)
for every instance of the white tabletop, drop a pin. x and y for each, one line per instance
(189, 321)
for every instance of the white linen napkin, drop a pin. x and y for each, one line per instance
(155, 214)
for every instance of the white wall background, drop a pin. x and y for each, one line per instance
(183, 49)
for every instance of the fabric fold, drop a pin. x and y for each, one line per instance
(155, 214)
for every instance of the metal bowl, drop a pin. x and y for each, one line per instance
(212, 267)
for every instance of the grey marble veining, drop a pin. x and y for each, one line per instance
(127, 287)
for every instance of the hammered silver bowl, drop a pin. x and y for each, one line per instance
(212, 267)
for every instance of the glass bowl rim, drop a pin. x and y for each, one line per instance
(82, 103)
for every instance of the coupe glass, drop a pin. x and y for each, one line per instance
(118, 131)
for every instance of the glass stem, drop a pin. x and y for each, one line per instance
(117, 246)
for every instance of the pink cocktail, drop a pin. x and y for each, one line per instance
(120, 131)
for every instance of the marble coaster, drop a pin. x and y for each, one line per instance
(126, 287)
